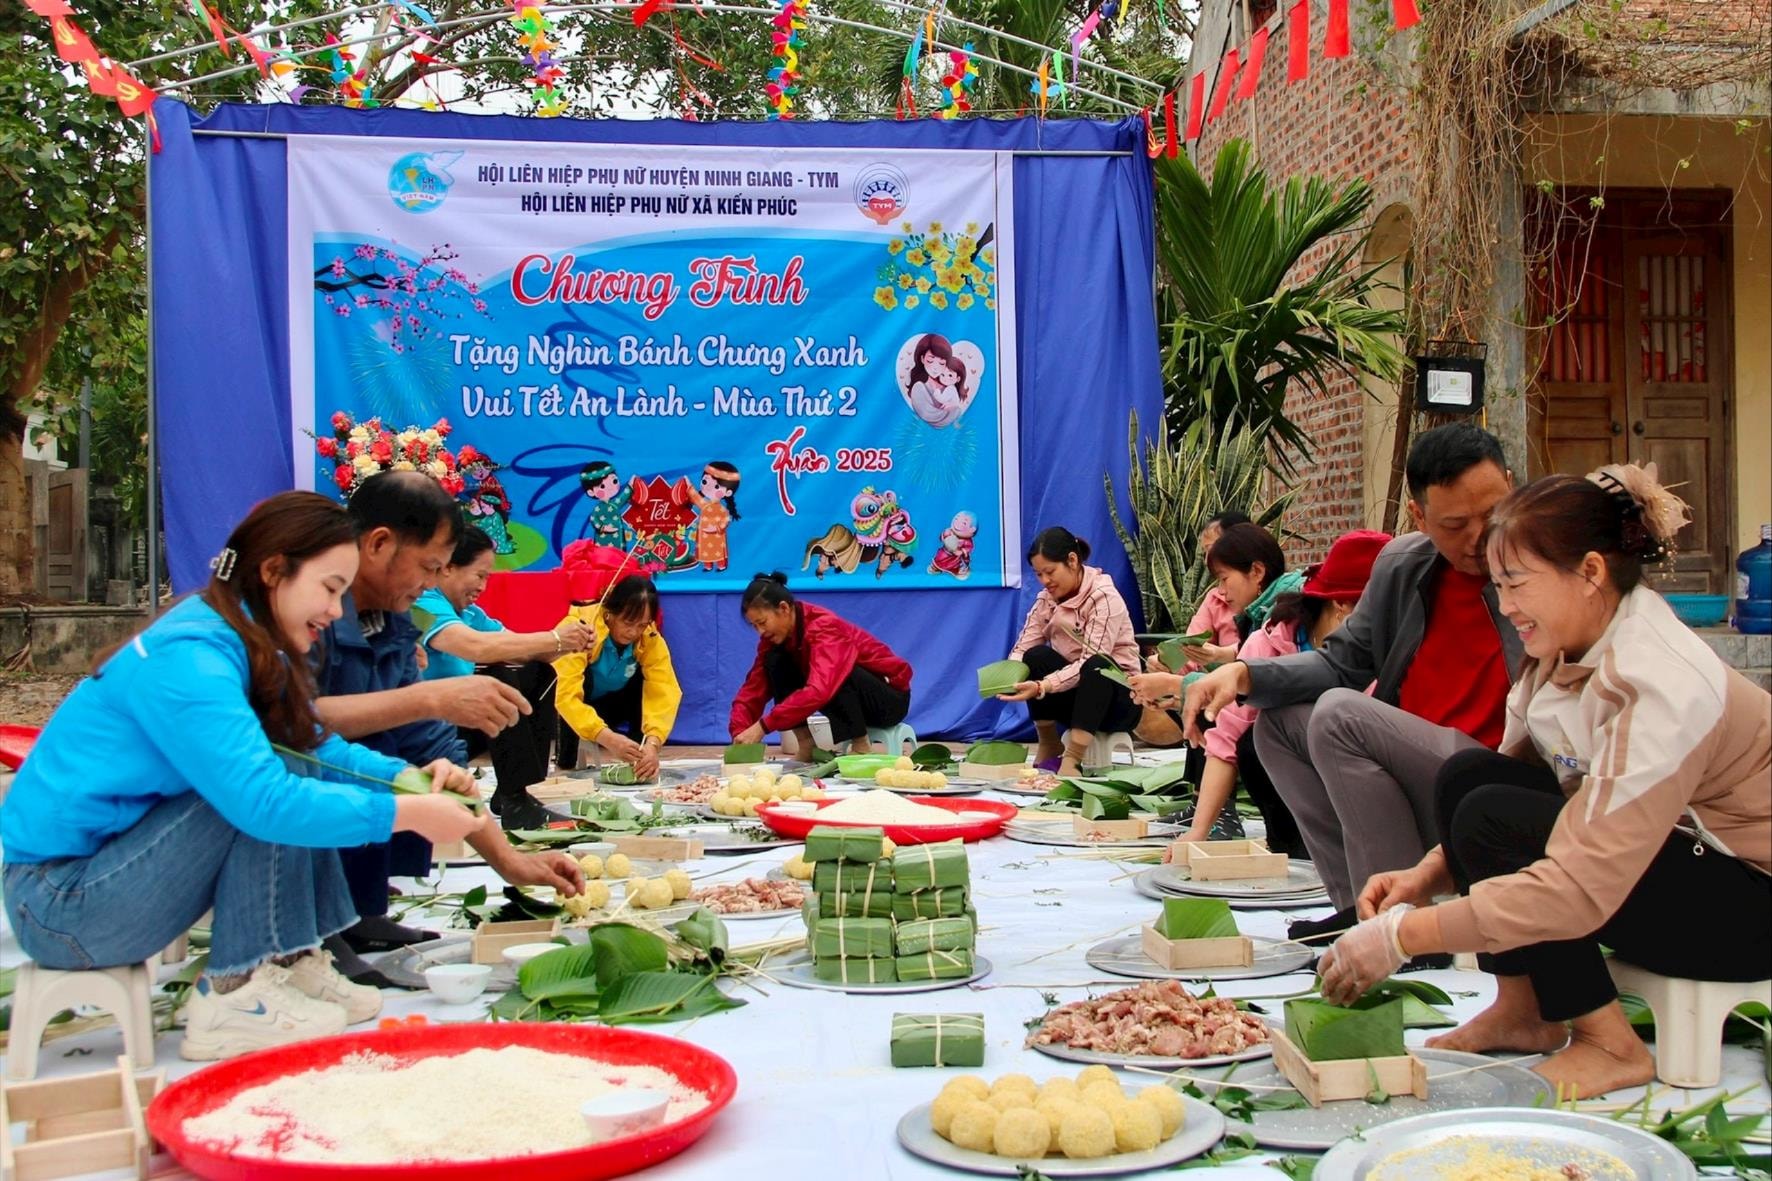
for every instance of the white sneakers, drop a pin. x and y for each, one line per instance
(275, 1007)
(316, 976)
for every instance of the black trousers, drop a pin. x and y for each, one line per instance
(1696, 912)
(619, 710)
(1282, 830)
(368, 868)
(1096, 706)
(861, 701)
(520, 752)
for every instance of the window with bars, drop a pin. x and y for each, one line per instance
(1580, 295)
(1670, 297)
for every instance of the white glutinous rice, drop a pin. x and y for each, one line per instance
(482, 1104)
(884, 807)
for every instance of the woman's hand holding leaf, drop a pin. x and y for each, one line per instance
(1363, 957)
(446, 776)
(751, 733)
(1023, 691)
(435, 817)
(1154, 689)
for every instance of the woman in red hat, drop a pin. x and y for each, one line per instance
(1298, 622)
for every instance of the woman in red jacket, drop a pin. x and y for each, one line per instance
(809, 661)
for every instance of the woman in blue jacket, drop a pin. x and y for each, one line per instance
(155, 794)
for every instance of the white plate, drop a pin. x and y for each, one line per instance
(1549, 1139)
(1125, 956)
(1201, 1128)
(1152, 1061)
(797, 973)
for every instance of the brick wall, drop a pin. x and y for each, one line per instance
(1346, 120)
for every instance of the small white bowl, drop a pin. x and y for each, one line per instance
(524, 952)
(457, 984)
(588, 848)
(624, 1112)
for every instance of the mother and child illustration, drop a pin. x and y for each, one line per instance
(714, 495)
(939, 378)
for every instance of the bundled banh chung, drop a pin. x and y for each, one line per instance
(849, 925)
(937, 928)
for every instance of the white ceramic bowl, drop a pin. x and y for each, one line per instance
(624, 1112)
(599, 848)
(522, 953)
(457, 984)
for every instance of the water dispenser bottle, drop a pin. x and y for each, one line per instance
(1753, 587)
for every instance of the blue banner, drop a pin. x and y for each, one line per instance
(722, 359)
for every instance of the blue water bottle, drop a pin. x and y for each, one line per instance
(1753, 587)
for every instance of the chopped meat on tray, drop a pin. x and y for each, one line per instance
(1159, 1018)
(751, 896)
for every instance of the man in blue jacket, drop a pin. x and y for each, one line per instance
(371, 692)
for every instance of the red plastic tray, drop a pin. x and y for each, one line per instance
(16, 742)
(213, 1086)
(798, 824)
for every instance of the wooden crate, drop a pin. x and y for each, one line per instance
(491, 939)
(1209, 861)
(1347, 1078)
(557, 789)
(1231, 951)
(89, 1123)
(658, 848)
(1135, 829)
(1002, 773)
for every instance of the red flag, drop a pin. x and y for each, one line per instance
(1335, 39)
(644, 13)
(1196, 105)
(71, 45)
(1404, 14)
(259, 57)
(49, 8)
(1298, 54)
(1252, 69)
(1221, 92)
(1171, 133)
(100, 78)
(1152, 148)
(132, 97)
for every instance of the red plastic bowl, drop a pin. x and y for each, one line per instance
(214, 1086)
(798, 824)
(15, 743)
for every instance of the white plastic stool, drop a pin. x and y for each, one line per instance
(1689, 1016)
(40, 993)
(1101, 752)
(820, 726)
(892, 739)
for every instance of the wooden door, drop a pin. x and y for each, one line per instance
(1635, 361)
(1676, 391)
(64, 554)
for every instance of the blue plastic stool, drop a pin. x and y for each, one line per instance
(892, 739)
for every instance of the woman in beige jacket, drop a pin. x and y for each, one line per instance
(1630, 805)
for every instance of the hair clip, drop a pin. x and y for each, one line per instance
(223, 563)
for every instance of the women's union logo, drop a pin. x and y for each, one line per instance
(419, 181)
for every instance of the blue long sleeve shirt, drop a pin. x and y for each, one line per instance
(169, 714)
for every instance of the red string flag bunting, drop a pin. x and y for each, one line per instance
(1298, 48)
(1251, 77)
(106, 78)
(1221, 91)
(784, 77)
(1196, 106)
(1335, 35)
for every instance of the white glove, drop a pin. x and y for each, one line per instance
(1365, 956)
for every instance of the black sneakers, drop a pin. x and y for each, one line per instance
(520, 810)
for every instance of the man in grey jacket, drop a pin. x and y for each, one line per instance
(1357, 769)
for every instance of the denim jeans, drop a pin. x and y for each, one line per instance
(147, 885)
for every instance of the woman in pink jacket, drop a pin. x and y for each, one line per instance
(1079, 625)
(1298, 622)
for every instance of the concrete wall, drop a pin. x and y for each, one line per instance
(1651, 151)
(65, 639)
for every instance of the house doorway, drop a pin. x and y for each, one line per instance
(1631, 295)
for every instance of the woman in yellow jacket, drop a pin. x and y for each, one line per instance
(624, 680)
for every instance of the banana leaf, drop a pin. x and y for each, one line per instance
(531, 908)
(997, 753)
(622, 775)
(932, 756)
(824, 768)
(1418, 1014)
(620, 950)
(561, 836)
(1064, 793)
(704, 931)
(1170, 650)
(1396, 986)
(1092, 788)
(1371, 1027)
(1000, 677)
(744, 752)
(648, 997)
(1098, 808)
(1161, 805)
(1116, 676)
(1196, 918)
(569, 972)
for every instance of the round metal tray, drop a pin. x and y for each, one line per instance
(797, 973)
(1424, 1146)
(1124, 956)
(1143, 883)
(1152, 1061)
(1202, 1127)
